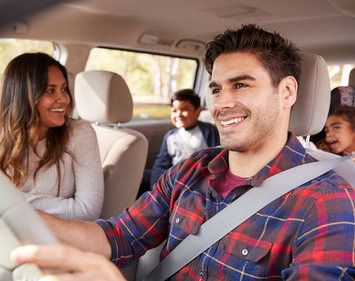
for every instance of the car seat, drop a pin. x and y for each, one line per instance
(103, 98)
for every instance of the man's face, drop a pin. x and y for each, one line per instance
(183, 114)
(245, 106)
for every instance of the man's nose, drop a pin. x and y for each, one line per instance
(225, 99)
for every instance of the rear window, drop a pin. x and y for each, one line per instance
(339, 74)
(11, 48)
(151, 78)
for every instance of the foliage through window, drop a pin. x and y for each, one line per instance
(151, 78)
(11, 48)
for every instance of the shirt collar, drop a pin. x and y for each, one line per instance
(292, 154)
(192, 126)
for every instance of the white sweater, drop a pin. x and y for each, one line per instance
(82, 184)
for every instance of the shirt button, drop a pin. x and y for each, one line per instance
(177, 220)
(244, 252)
(201, 274)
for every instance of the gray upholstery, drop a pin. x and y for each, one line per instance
(103, 97)
(310, 111)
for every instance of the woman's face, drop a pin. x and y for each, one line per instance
(53, 104)
(339, 135)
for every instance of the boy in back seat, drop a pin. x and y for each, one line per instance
(189, 136)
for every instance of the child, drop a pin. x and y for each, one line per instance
(340, 130)
(190, 135)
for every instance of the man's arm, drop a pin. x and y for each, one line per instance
(325, 244)
(87, 236)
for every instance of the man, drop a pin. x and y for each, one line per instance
(308, 234)
(189, 136)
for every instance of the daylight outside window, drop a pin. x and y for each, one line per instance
(151, 78)
(10, 48)
(339, 74)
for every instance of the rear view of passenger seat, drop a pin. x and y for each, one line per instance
(103, 98)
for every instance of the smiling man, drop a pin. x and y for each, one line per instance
(307, 234)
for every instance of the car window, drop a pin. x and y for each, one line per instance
(10, 48)
(339, 74)
(151, 78)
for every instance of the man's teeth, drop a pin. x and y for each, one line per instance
(57, 109)
(231, 121)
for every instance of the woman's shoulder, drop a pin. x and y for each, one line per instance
(80, 128)
(78, 123)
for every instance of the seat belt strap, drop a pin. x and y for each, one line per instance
(236, 213)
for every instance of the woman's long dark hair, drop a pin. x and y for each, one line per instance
(24, 82)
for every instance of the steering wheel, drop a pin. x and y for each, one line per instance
(19, 225)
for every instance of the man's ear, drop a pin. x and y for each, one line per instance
(288, 88)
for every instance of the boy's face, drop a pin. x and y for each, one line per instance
(339, 135)
(183, 114)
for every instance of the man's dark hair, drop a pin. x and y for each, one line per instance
(187, 95)
(279, 56)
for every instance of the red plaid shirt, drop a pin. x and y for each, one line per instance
(307, 234)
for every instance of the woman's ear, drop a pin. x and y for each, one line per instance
(288, 87)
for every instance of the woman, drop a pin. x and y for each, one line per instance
(52, 159)
(340, 130)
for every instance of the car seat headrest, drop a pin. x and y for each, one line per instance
(310, 111)
(103, 97)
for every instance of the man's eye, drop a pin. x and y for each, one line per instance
(215, 91)
(239, 85)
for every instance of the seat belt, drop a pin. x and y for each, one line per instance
(236, 213)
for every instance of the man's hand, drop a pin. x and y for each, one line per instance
(84, 266)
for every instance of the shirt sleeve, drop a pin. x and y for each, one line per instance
(87, 200)
(325, 246)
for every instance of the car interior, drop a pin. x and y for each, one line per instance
(308, 113)
(93, 37)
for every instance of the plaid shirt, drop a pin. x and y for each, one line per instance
(307, 234)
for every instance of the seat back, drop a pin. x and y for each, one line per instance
(310, 111)
(103, 98)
